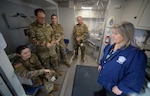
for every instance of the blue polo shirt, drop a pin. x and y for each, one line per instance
(124, 68)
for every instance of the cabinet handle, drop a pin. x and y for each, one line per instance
(135, 17)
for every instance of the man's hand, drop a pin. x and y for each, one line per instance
(57, 41)
(116, 90)
(99, 68)
(78, 39)
(47, 71)
(48, 45)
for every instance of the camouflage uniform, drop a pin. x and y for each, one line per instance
(80, 31)
(33, 69)
(40, 35)
(61, 47)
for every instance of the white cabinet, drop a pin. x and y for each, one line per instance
(144, 20)
(137, 12)
(131, 9)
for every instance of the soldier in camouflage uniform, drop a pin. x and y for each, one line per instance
(80, 32)
(27, 65)
(41, 36)
(59, 37)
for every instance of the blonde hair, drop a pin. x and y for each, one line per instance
(126, 29)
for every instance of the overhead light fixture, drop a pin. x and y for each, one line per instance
(87, 7)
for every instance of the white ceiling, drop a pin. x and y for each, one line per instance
(36, 3)
(41, 3)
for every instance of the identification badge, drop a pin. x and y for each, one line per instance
(53, 79)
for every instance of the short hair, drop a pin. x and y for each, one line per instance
(126, 29)
(80, 17)
(38, 10)
(20, 48)
(53, 15)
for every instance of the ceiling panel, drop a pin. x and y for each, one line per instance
(41, 3)
(35, 3)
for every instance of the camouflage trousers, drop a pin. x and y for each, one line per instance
(48, 87)
(48, 81)
(49, 57)
(82, 48)
(61, 52)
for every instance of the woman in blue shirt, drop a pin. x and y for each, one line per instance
(122, 67)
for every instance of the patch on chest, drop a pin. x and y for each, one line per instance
(121, 59)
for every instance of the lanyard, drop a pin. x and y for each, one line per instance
(110, 54)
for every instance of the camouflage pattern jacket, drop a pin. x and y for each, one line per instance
(20, 70)
(80, 31)
(58, 31)
(40, 35)
(30, 68)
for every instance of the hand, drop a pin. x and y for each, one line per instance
(48, 45)
(57, 41)
(99, 68)
(78, 39)
(47, 71)
(116, 90)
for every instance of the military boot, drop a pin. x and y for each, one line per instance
(82, 58)
(67, 64)
(51, 94)
(100, 93)
(75, 57)
(59, 72)
(56, 88)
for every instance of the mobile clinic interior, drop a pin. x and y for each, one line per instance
(98, 15)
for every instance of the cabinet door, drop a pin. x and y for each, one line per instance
(144, 20)
(131, 11)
